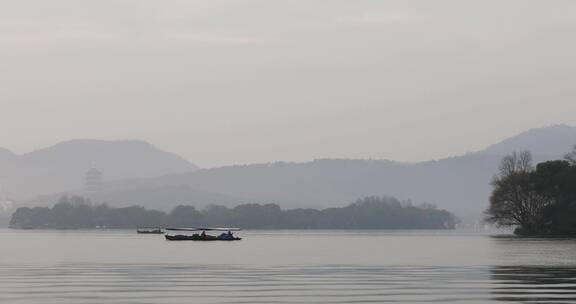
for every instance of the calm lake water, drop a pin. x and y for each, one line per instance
(285, 267)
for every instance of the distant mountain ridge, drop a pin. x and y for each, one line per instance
(62, 166)
(548, 141)
(459, 184)
(5, 154)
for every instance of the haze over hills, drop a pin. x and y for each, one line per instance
(552, 141)
(459, 184)
(5, 154)
(63, 165)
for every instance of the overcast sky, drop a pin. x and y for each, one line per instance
(223, 82)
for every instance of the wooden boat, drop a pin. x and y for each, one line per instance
(225, 236)
(150, 231)
(197, 237)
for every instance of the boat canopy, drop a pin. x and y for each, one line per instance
(204, 229)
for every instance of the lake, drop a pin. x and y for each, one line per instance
(286, 267)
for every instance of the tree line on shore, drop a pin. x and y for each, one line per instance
(536, 200)
(367, 213)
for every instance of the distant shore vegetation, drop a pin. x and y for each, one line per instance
(536, 200)
(367, 213)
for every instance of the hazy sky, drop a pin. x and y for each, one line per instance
(237, 81)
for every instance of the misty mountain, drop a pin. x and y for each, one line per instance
(6, 155)
(552, 141)
(64, 165)
(460, 184)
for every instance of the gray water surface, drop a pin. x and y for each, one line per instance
(286, 267)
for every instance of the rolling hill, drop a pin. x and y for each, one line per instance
(459, 184)
(63, 165)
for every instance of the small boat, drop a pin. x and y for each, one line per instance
(201, 235)
(150, 231)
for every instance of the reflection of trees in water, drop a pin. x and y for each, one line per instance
(534, 284)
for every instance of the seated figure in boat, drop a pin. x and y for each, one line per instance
(226, 236)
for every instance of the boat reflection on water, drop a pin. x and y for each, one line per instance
(534, 284)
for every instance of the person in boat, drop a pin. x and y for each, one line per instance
(226, 236)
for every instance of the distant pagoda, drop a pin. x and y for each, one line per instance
(93, 183)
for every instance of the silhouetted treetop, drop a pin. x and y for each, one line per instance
(537, 201)
(367, 213)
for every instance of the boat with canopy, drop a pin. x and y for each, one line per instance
(150, 230)
(199, 234)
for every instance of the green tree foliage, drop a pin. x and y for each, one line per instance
(367, 213)
(539, 200)
(557, 180)
(515, 200)
(185, 216)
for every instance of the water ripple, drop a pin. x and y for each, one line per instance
(136, 283)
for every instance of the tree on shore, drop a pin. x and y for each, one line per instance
(367, 213)
(515, 200)
(557, 179)
(537, 200)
